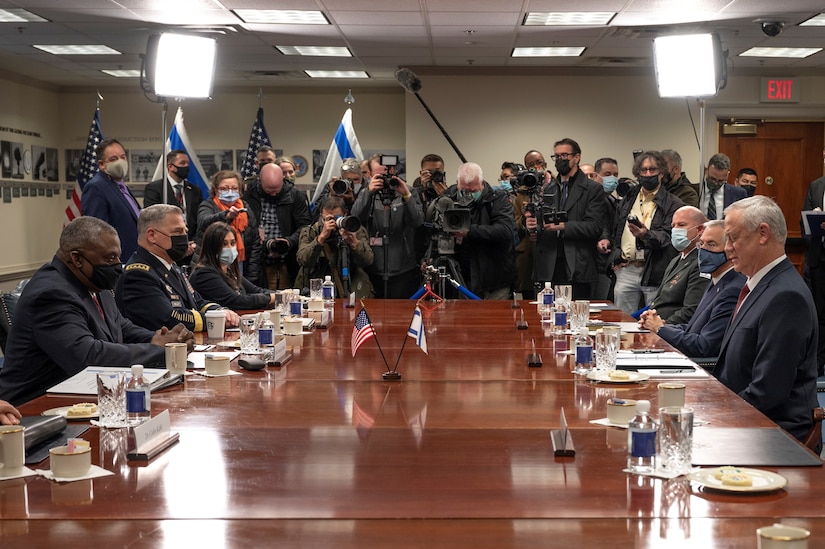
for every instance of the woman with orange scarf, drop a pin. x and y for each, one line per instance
(225, 205)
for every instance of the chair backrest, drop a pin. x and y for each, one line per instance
(814, 439)
(7, 303)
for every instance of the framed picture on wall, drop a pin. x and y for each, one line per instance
(214, 161)
(142, 165)
(6, 160)
(44, 162)
(18, 155)
(319, 158)
(73, 158)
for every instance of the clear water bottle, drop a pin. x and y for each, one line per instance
(560, 317)
(328, 290)
(266, 331)
(641, 440)
(584, 352)
(138, 397)
(295, 305)
(546, 303)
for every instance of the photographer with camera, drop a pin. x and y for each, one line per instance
(483, 236)
(282, 211)
(527, 183)
(429, 185)
(641, 234)
(391, 214)
(345, 187)
(336, 245)
(567, 224)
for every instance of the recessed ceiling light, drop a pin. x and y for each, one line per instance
(337, 74)
(78, 50)
(798, 53)
(575, 18)
(547, 52)
(287, 17)
(121, 73)
(315, 51)
(15, 15)
(815, 21)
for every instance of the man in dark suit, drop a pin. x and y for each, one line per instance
(715, 193)
(702, 336)
(107, 197)
(179, 192)
(815, 264)
(682, 286)
(565, 251)
(768, 353)
(153, 291)
(67, 319)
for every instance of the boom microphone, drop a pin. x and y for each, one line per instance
(408, 80)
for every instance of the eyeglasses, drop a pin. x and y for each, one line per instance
(224, 189)
(563, 156)
(652, 170)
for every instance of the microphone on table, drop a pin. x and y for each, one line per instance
(410, 82)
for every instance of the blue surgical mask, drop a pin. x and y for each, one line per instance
(228, 197)
(476, 195)
(679, 238)
(504, 185)
(228, 255)
(609, 183)
(710, 261)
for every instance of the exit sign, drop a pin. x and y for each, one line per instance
(779, 90)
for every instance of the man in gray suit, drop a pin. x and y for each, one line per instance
(682, 286)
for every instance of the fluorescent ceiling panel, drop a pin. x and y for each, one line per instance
(290, 17)
(315, 51)
(571, 18)
(336, 74)
(796, 53)
(548, 52)
(90, 49)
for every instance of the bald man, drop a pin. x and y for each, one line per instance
(283, 211)
(682, 285)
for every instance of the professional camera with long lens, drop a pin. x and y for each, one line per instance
(349, 223)
(277, 246)
(341, 186)
(624, 186)
(526, 180)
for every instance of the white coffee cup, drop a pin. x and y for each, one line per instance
(316, 304)
(12, 450)
(671, 394)
(215, 324)
(619, 411)
(176, 357)
(216, 365)
(293, 326)
(70, 465)
(781, 536)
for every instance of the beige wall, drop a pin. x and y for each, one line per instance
(491, 119)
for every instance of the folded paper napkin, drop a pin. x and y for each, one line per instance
(94, 472)
(24, 472)
(661, 473)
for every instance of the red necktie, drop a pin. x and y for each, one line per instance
(745, 290)
(99, 308)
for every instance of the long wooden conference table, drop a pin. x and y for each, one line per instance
(321, 452)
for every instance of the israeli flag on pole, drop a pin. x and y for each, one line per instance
(344, 145)
(179, 140)
(416, 330)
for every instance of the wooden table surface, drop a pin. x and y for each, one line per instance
(331, 455)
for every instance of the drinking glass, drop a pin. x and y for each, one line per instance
(249, 334)
(579, 315)
(111, 399)
(564, 293)
(605, 351)
(675, 438)
(316, 290)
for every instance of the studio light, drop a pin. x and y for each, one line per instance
(180, 65)
(689, 65)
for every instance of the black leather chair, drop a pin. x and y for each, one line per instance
(814, 439)
(8, 301)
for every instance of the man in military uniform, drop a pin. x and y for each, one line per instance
(153, 291)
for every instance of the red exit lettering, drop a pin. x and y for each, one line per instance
(780, 89)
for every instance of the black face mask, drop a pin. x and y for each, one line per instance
(667, 179)
(104, 277)
(649, 182)
(180, 245)
(750, 188)
(182, 171)
(563, 166)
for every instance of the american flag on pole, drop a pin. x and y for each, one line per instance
(88, 168)
(416, 330)
(257, 138)
(362, 331)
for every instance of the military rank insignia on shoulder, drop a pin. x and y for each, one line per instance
(138, 266)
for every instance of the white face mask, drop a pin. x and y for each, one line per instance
(117, 169)
(228, 255)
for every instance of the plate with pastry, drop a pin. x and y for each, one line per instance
(81, 410)
(617, 376)
(738, 479)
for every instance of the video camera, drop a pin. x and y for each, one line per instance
(546, 207)
(444, 217)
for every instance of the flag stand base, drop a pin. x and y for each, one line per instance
(391, 376)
